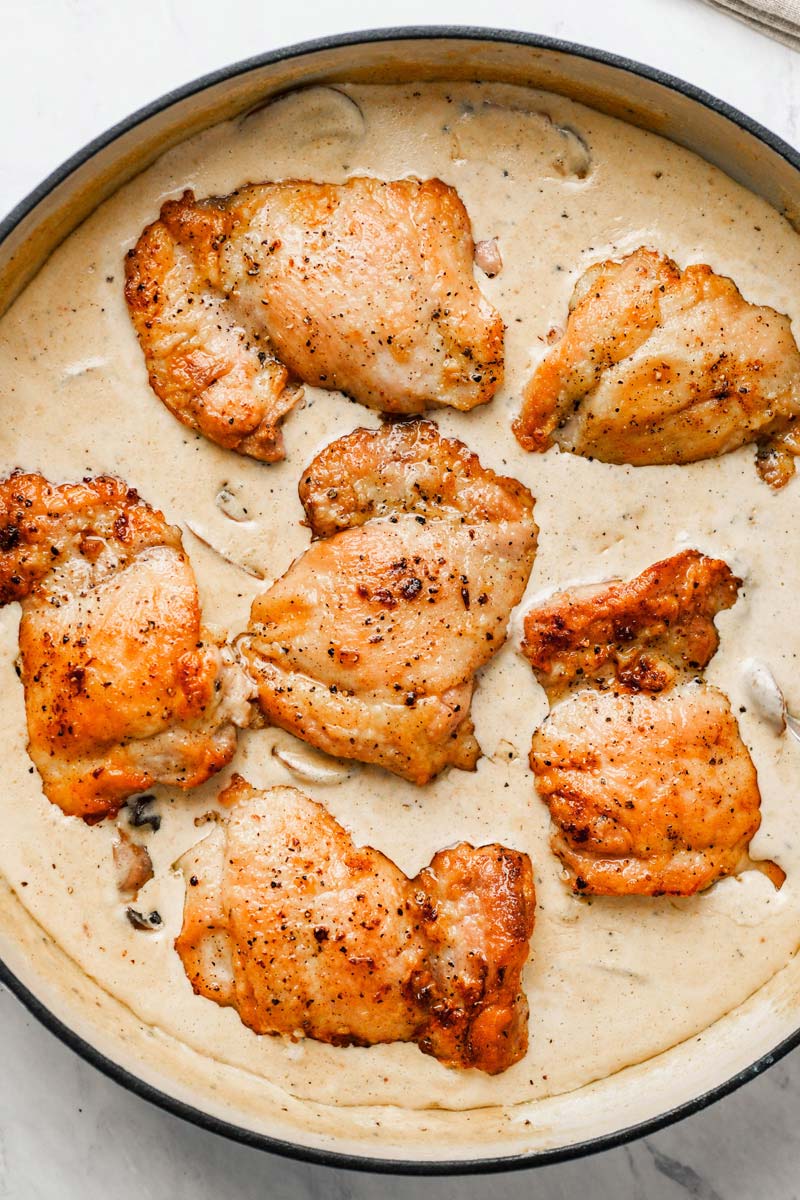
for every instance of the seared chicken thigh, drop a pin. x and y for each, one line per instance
(306, 934)
(366, 287)
(212, 373)
(123, 687)
(659, 365)
(368, 646)
(641, 634)
(649, 785)
(647, 794)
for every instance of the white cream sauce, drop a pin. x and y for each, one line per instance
(610, 982)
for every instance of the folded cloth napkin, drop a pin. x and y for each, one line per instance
(778, 18)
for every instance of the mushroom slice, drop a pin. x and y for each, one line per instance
(768, 698)
(520, 139)
(308, 764)
(134, 866)
(310, 116)
(488, 257)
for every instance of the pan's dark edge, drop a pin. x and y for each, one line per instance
(112, 1069)
(353, 1162)
(410, 33)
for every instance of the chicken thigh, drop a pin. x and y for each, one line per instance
(306, 934)
(123, 686)
(642, 634)
(649, 785)
(647, 794)
(659, 365)
(365, 286)
(368, 646)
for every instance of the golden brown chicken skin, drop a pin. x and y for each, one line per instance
(366, 287)
(123, 686)
(649, 785)
(641, 634)
(210, 370)
(648, 795)
(659, 365)
(368, 646)
(304, 933)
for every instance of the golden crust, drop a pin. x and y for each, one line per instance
(649, 785)
(659, 365)
(123, 687)
(367, 647)
(639, 635)
(405, 467)
(201, 362)
(40, 523)
(648, 795)
(366, 287)
(305, 933)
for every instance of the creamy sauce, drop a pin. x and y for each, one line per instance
(610, 982)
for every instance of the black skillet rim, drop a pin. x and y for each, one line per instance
(113, 1070)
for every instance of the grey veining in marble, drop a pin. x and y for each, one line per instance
(68, 70)
(66, 1131)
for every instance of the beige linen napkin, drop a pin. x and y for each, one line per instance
(778, 18)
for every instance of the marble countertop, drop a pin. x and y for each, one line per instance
(68, 70)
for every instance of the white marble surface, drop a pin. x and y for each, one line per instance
(69, 69)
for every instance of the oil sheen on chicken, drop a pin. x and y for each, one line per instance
(306, 934)
(123, 686)
(649, 785)
(647, 794)
(365, 286)
(659, 365)
(642, 633)
(368, 646)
